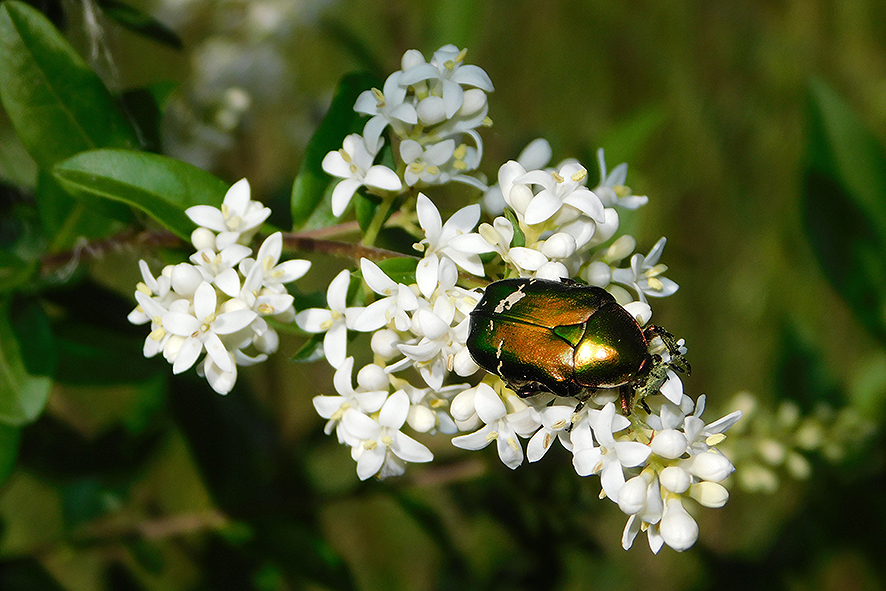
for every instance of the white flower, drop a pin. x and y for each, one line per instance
(611, 457)
(499, 236)
(237, 221)
(444, 76)
(201, 330)
(365, 400)
(424, 163)
(393, 308)
(441, 162)
(334, 322)
(353, 164)
(500, 426)
(381, 440)
(555, 421)
(440, 342)
(267, 272)
(536, 154)
(645, 274)
(387, 107)
(612, 190)
(153, 310)
(560, 189)
(152, 288)
(214, 267)
(454, 239)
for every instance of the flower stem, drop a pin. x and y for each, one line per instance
(378, 220)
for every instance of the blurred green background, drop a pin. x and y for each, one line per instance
(708, 102)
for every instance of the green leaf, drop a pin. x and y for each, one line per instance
(310, 189)
(139, 22)
(844, 206)
(160, 186)
(311, 350)
(57, 104)
(400, 269)
(145, 107)
(65, 219)
(22, 394)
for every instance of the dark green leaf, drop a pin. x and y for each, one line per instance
(310, 189)
(22, 393)
(401, 269)
(139, 22)
(845, 205)
(519, 239)
(56, 103)
(311, 351)
(66, 219)
(160, 186)
(145, 107)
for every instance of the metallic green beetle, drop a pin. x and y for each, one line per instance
(567, 338)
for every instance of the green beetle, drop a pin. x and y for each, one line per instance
(566, 338)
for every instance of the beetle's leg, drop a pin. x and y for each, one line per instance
(527, 389)
(583, 396)
(626, 395)
(676, 362)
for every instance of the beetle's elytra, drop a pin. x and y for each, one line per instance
(564, 337)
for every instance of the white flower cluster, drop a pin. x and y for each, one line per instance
(433, 110)
(651, 458)
(649, 463)
(217, 303)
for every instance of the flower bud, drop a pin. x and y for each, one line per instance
(411, 58)
(372, 377)
(203, 238)
(605, 229)
(558, 246)
(552, 270)
(598, 273)
(632, 495)
(463, 364)
(384, 343)
(171, 348)
(518, 198)
(431, 110)
(709, 494)
(185, 279)
(462, 406)
(675, 479)
(710, 465)
(421, 418)
(474, 102)
(669, 444)
(622, 247)
(677, 527)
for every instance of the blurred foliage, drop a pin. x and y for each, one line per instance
(756, 128)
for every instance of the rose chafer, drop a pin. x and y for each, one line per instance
(567, 338)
